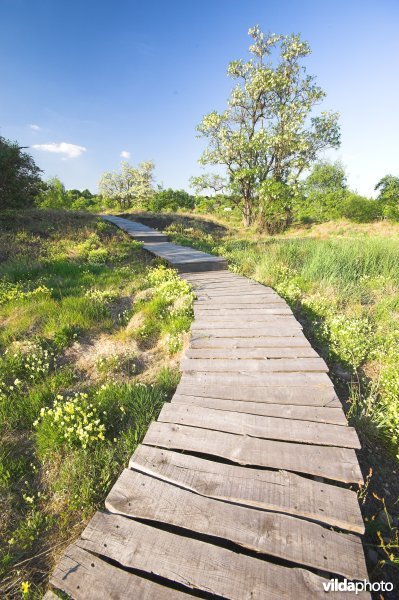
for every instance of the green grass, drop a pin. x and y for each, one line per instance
(71, 284)
(344, 285)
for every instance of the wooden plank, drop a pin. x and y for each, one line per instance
(262, 379)
(195, 564)
(221, 289)
(226, 311)
(50, 595)
(279, 491)
(246, 353)
(270, 365)
(229, 283)
(247, 331)
(317, 414)
(235, 292)
(242, 300)
(338, 464)
(299, 395)
(141, 496)
(257, 426)
(84, 576)
(227, 322)
(219, 276)
(201, 341)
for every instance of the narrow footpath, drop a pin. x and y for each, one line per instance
(241, 489)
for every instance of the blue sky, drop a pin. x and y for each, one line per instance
(97, 78)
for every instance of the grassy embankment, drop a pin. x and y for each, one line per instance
(342, 281)
(90, 329)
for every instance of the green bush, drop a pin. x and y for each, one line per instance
(359, 209)
(275, 212)
(171, 200)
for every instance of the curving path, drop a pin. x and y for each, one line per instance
(240, 490)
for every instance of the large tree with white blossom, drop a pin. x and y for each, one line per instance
(268, 130)
(129, 186)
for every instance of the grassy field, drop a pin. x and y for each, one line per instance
(90, 332)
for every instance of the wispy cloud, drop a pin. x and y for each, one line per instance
(125, 154)
(34, 127)
(68, 150)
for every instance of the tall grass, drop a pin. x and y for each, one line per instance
(345, 289)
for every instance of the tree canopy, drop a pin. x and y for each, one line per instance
(128, 186)
(19, 176)
(267, 130)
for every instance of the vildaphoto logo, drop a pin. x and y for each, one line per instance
(335, 585)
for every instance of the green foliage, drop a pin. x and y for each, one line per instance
(53, 195)
(19, 176)
(359, 209)
(70, 422)
(166, 309)
(131, 186)
(388, 196)
(66, 284)
(209, 181)
(275, 200)
(322, 193)
(171, 200)
(267, 129)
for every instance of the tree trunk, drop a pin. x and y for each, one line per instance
(247, 212)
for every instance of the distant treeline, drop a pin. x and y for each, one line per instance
(323, 195)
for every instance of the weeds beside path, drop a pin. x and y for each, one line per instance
(90, 332)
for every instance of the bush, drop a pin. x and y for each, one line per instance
(20, 181)
(171, 200)
(275, 213)
(360, 209)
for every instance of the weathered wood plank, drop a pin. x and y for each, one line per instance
(201, 341)
(50, 595)
(220, 275)
(257, 426)
(248, 299)
(246, 353)
(295, 540)
(233, 312)
(300, 395)
(246, 331)
(234, 293)
(285, 411)
(279, 491)
(251, 321)
(193, 563)
(338, 464)
(270, 365)
(84, 576)
(262, 379)
(221, 289)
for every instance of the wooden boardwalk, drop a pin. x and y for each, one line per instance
(240, 490)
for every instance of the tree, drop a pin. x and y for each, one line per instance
(267, 130)
(130, 185)
(171, 200)
(323, 192)
(54, 195)
(388, 196)
(19, 176)
(208, 181)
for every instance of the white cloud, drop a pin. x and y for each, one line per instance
(125, 154)
(34, 127)
(68, 150)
